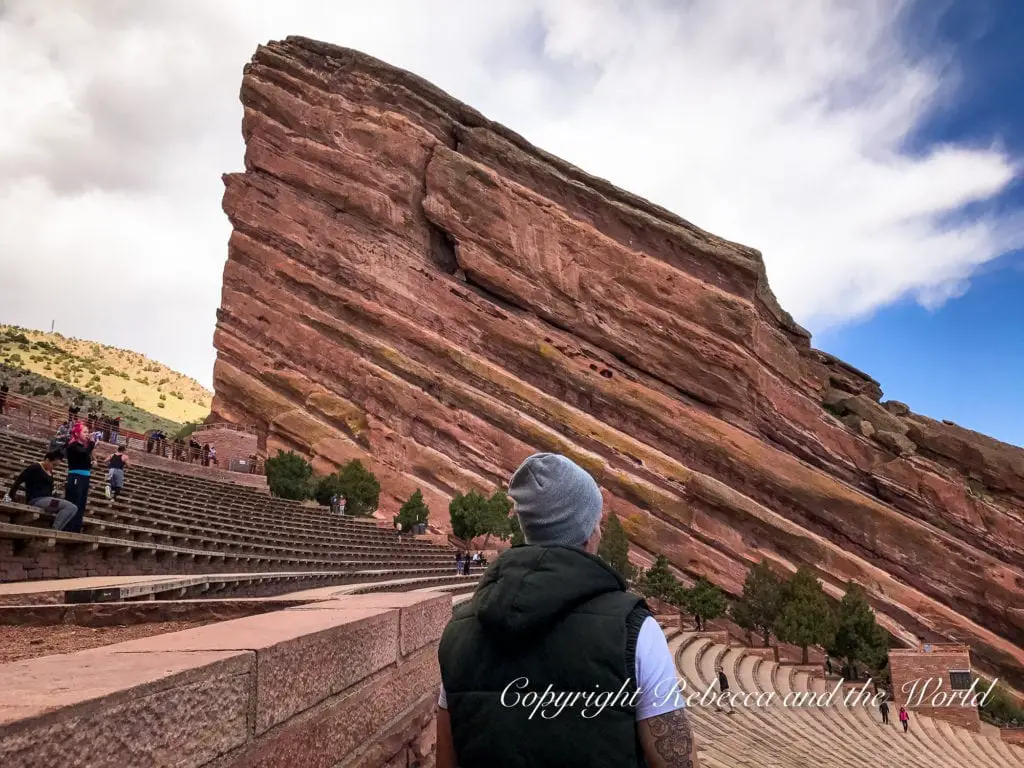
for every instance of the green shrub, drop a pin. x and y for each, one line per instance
(805, 617)
(614, 548)
(759, 606)
(161, 405)
(356, 483)
(473, 514)
(659, 583)
(413, 512)
(289, 475)
(1000, 708)
(704, 602)
(858, 636)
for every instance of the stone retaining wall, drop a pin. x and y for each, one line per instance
(352, 680)
(137, 455)
(910, 666)
(1012, 735)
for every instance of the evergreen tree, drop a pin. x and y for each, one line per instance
(806, 617)
(289, 475)
(704, 601)
(658, 582)
(360, 488)
(759, 604)
(498, 518)
(413, 512)
(326, 486)
(739, 611)
(858, 637)
(516, 531)
(472, 514)
(614, 548)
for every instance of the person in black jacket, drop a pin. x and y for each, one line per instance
(723, 688)
(79, 458)
(116, 465)
(38, 482)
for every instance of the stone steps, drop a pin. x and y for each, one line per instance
(809, 737)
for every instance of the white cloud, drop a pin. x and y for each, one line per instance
(778, 125)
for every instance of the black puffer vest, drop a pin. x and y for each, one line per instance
(547, 627)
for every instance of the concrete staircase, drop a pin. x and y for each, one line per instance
(206, 537)
(813, 736)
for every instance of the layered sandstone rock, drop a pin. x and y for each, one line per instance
(413, 285)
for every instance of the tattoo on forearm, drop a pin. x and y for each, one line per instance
(673, 739)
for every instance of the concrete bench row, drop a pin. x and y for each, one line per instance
(799, 737)
(325, 530)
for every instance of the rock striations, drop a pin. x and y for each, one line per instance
(413, 285)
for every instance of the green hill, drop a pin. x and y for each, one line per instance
(118, 382)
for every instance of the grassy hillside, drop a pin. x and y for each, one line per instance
(146, 394)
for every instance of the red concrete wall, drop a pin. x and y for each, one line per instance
(1012, 735)
(350, 679)
(917, 665)
(230, 443)
(138, 455)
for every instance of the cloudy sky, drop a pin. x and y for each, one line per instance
(871, 150)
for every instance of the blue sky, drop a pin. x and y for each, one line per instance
(963, 361)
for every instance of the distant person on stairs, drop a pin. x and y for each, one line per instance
(904, 719)
(883, 708)
(38, 482)
(79, 458)
(4, 389)
(550, 616)
(723, 687)
(116, 466)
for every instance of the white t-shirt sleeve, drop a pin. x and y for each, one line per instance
(656, 676)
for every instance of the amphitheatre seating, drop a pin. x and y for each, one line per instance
(185, 526)
(811, 736)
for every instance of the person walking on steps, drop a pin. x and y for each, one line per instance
(79, 458)
(116, 466)
(883, 708)
(904, 719)
(38, 481)
(550, 615)
(723, 688)
(458, 563)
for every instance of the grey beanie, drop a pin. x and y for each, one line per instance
(556, 500)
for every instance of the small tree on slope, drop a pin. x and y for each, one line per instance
(858, 636)
(806, 617)
(760, 602)
(704, 601)
(360, 488)
(614, 548)
(472, 514)
(288, 475)
(413, 512)
(659, 583)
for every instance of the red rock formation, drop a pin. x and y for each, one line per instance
(413, 285)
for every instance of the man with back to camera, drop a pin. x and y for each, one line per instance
(551, 613)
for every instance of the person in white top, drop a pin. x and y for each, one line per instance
(532, 666)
